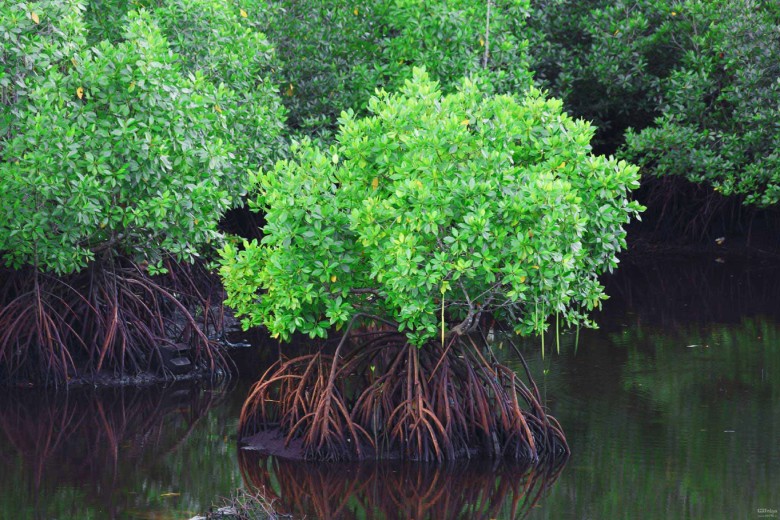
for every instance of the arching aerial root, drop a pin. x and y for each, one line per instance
(388, 398)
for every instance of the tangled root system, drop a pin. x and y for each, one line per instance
(110, 318)
(387, 398)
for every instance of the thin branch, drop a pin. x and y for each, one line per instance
(487, 36)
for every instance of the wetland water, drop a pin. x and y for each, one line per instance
(671, 409)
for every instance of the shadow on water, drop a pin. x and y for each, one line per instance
(674, 292)
(475, 490)
(84, 442)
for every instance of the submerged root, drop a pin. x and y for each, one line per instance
(388, 398)
(111, 318)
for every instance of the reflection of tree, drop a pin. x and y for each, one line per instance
(669, 429)
(723, 360)
(676, 291)
(83, 437)
(397, 489)
(659, 428)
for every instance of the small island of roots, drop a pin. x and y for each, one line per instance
(380, 396)
(427, 217)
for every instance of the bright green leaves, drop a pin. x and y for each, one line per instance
(224, 44)
(124, 147)
(31, 45)
(509, 213)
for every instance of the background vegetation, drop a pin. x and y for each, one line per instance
(687, 89)
(334, 55)
(128, 129)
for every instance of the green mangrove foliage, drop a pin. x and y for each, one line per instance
(336, 54)
(432, 210)
(718, 123)
(605, 58)
(32, 41)
(689, 88)
(120, 148)
(220, 41)
(118, 157)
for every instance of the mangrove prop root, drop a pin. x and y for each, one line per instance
(388, 398)
(112, 317)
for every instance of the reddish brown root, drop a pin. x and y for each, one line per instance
(109, 318)
(296, 396)
(388, 398)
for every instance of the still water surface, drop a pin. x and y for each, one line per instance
(671, 408)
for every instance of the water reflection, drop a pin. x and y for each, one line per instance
(474, 490)
(669, 423)
(671, 411)
(71, 451)
(674, 292)
(671, 408)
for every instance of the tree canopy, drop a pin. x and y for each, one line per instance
(127, 147)
(435, 207)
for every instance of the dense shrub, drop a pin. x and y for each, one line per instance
(435, 207)
(696, 82)
(605, 59)
(117, 161)
(117, 149)
(335, 54)
(719, 107)
(34, 38)
(223, 43)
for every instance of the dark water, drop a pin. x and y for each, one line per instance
(671, 408)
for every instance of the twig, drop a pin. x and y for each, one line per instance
(487, 36)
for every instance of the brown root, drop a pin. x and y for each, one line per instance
(110, 318)
(388, 398)
(299, 396)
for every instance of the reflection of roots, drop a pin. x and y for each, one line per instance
(110, 317)
(388, 398)
(396, 489)
(80, 436)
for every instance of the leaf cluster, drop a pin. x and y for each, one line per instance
(683, 87)
(718, 123)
